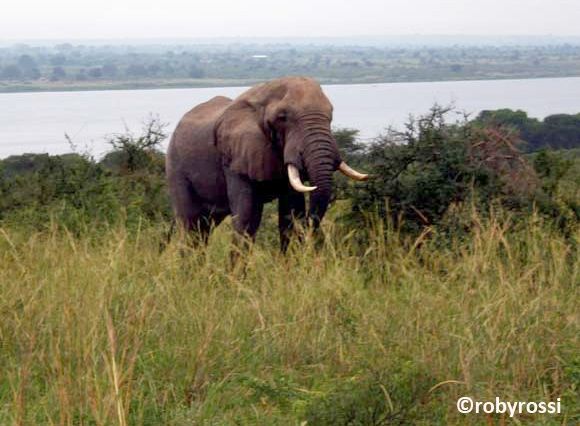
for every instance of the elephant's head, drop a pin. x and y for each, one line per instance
(281, 128)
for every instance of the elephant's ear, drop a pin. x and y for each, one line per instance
(244, 146)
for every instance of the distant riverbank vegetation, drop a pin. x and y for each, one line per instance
(81, 67)
(453, 271)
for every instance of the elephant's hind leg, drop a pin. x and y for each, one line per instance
(189, 212)
(206, 222)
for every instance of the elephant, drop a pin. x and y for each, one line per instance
(230, 157)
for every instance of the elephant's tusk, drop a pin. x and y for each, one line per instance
(294, 177)
(346, 170)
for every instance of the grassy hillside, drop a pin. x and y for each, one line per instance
(103, 329)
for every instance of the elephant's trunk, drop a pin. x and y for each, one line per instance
(321, 159)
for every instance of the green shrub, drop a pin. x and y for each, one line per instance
(434, 173)
(77, 191)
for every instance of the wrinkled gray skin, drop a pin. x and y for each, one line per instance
(230, 157)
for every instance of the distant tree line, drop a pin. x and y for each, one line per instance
(80, 63)
(555, 131)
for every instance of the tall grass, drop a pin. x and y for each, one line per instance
(103, 329)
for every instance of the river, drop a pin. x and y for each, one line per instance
(37, 122)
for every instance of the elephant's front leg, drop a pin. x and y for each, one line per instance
(291, 209)
(245, 205)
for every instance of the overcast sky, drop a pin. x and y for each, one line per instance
(77, 19)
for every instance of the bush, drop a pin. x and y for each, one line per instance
(434, 173)
(560, 176)
(353, 152)
(423, 173)
(132, 153)
(66, 187)
(76, 190)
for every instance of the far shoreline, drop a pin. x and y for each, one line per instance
(211, 83)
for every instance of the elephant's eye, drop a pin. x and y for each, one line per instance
(283, 117)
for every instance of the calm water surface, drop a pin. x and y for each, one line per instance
(37, 122)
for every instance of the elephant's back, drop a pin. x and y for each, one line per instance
(199, 119)
(195, 131)
(206, 112)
